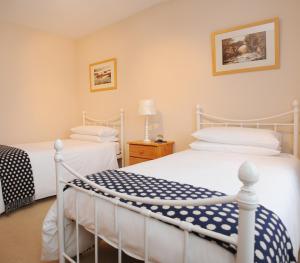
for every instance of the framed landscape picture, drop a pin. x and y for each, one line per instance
(246, 48)
(103, 75)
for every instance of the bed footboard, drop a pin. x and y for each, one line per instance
(246, 199)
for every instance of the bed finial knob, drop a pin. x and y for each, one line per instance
(248, 174)
(58, 146)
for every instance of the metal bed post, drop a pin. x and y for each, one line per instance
(60, 200)
(247, 202)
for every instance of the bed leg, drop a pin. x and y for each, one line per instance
(247, 202)
(60, 202)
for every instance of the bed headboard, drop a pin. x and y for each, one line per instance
(117, 123)
(292, 122)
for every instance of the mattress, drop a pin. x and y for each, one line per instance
(85, 157)
(278, 189)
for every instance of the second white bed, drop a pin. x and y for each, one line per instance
(85, 157)
(278, 189)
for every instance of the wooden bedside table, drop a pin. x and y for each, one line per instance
(140, 151)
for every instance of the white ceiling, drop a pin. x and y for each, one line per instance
(73, 18)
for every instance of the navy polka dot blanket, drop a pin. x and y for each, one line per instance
(16, 178)
(272, 242)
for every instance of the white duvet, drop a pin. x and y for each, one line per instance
(278, 189)
(84, 157)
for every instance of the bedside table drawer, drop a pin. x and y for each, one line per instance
(141, 151)
(135, 160)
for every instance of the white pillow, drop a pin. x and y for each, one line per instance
(101, 131)
(240, 136)
(221, 147)
(93, 138)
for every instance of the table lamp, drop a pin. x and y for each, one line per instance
(147, 108)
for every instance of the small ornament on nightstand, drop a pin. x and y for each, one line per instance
(159, 138)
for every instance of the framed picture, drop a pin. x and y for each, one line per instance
(103, 75)
(246, 48)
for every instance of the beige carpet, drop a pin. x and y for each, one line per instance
(20, 237)
(20, 233)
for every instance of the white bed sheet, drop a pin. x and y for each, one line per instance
(278, 189)
(85, 157)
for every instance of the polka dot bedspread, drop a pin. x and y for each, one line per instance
(16, 178)
(272, 242)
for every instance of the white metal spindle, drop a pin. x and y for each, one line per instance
(186, 227)
(116, 202)
(118, 231)
(77, 230)
(146, 219)
(147, 214)
(96, 228)
(186, 246)
(60, 198)
(120, 247)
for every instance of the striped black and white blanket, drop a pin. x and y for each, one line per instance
(16, 178)
(272, 242)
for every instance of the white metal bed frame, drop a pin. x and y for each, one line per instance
(246, 199)
(116, 123)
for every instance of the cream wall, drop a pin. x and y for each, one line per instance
(164, 53)
(38, 98)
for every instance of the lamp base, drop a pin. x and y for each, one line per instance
(146, 137)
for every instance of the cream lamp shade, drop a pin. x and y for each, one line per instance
(147, 108)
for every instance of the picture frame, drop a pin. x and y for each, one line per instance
(103, 75)
(246, 48)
